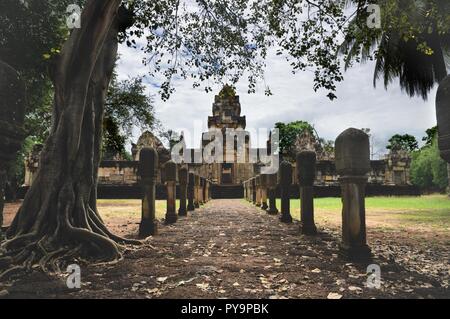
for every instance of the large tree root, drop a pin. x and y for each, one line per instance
(58, 243)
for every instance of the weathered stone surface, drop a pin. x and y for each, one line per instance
(352, 152)
(258, 190)
(263, 180)
(352, 162)
(306, 168)
(253, 186)
(191, 192)
(171, 183)
(285, 177)
(148, 164)
(197, 191)
(170, 171)
(202, 191)
(272, 180)
(306, 164)
(443, 117)
(183, 177)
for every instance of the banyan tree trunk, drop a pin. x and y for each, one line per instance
(58, 219)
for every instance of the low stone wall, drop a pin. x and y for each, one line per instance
(134, 191)
(371, 190)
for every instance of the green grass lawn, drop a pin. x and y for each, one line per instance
(423, 203)
(425, 213)
(430, 210)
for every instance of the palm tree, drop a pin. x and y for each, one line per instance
(419, 61)
(417, 58)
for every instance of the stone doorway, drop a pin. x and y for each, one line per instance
(227, 174)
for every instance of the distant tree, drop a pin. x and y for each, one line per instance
(127, 106)
(404, 142)
(428, 170)
(431, 135)
(288, 135)
(328, 146)
(171, 138)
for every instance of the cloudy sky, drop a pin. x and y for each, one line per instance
(359, 104)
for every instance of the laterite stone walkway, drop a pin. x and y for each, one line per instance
(231, 249)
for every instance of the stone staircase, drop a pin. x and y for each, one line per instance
(227, 191)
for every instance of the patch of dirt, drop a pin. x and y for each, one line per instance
(230, 249)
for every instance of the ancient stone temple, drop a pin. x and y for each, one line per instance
(230, 172)
(226, 112)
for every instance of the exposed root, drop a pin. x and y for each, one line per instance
(67, 245)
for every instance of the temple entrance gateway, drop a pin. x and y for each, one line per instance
(227, 174)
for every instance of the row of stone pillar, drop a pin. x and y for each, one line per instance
(352, 164)
(194, 191)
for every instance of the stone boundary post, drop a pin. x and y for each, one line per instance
(202, 191)
(253, 183)
(148, 172)
(272, 180)
(306, 172)
(244, 184)
(258, 190)
(197, 192)
(247, 186)
(352, 164)
(285, 185)
(206, 190)
(171, 182)
(183, 176)
(264, 191)
(190, 192)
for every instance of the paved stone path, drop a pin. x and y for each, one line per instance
(231, 249)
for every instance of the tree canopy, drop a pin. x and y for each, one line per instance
(411, 45)
(288, 133)
(405, 142)
(428, 169)
(431, 135)
(127, 106)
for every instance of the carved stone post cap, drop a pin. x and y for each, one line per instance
(170, 169)
(352, 152)
(148, 163)
(443, 117)
(183, 175)
(306, 167)
(285, 173)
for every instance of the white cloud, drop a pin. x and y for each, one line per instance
(359, 104)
